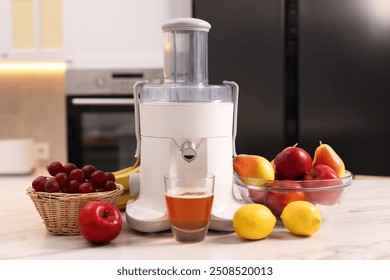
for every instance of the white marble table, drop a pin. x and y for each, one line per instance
(359, 229)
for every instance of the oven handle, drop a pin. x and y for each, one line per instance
(102, 101)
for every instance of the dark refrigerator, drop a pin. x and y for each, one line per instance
(308, 71)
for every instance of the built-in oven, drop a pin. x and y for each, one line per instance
(100, 116)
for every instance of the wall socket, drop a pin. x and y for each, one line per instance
(42, 151)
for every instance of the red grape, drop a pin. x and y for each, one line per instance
(51, 186)
(110, 176)
(98, 179)
(88, 170)
(62, 179)
(77, 174)
(86, 187)
(71, 179)
(39, 184)
(73, 186)
(68, 167)
(55, 167)
(109, 186)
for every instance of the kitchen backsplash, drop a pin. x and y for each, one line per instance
(32, 105)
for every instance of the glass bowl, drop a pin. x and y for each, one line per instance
(276, 194)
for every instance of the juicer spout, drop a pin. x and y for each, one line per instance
(188, 151)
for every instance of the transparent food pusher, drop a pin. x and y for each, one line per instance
(184, 125)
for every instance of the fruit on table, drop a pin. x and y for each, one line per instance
(98, 178)
(256, 169)
(123, 176)
(68, 167)
(68, 178)
(253, 221)
(123, 199)
(109, 186)
(55, 167)
(321, 176)
(72, 187)
(282, 193)
(325, 154)
(51, 185)
(86, 187)
(99, 221)
(292, 163)
(39, 184)
(62, 179)
(88, 170)
(301, 218)
(77, 174)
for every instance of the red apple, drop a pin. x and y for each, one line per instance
(282, 193)
(321, 176)
(292, 163)
(99, 221)
(257, 196)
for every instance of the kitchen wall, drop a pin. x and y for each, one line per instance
(32, 104)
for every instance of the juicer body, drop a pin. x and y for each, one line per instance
(183, 126)
(164, 128)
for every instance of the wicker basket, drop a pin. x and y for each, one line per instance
(59, 211)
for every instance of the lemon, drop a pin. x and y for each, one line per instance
(253, 221)
(301, 218)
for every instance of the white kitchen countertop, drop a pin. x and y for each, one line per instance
(358, 229)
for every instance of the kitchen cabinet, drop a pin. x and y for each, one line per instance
(119, 34)
(31, 30)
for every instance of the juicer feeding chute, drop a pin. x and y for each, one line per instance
(184, 125)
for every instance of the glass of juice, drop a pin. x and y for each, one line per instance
(189, 199)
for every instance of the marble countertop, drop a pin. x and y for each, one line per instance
(358, 229)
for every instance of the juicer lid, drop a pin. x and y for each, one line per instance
(185, 24)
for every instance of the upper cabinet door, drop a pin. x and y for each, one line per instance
(31, 30)
(118, 34)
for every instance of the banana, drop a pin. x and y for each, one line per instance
(122, 200)
(127, 169)
(124, 178)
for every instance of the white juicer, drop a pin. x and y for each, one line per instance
(184, 125)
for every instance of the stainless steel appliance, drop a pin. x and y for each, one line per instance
(100, 115)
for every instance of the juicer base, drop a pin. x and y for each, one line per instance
(150, 226)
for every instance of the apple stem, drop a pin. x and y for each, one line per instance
(296, 144)
(105, 213)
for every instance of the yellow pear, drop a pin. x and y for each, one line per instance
(324, 154)
(254, 169)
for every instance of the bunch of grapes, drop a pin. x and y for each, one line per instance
(68, 178)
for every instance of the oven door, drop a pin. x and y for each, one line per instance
(101, 131)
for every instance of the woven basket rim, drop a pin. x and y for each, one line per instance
(66, 196)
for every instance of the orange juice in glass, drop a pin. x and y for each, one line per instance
(189, 199)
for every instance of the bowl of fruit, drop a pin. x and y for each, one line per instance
(292, 176)
(59, 196)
